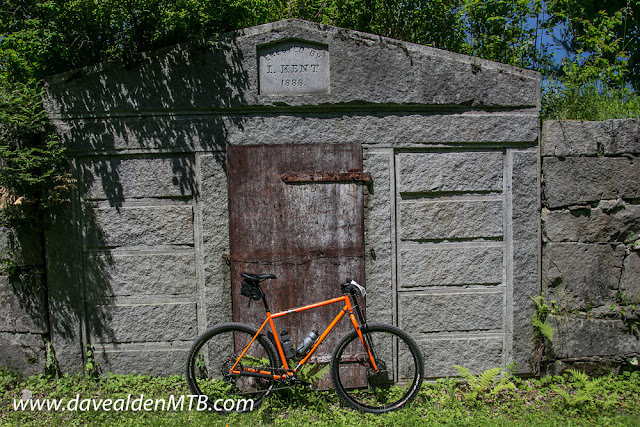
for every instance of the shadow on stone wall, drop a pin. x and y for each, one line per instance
(132, 134)
(23, 309)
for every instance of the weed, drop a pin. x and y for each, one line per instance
(51, 363)
(7, 264)
(91, 368)
(486, 382)
(542, 332)
(312, 372)
(542, 329)
(586, 392)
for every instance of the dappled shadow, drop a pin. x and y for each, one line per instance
(133, 132)
(69, 286)
(23, 268)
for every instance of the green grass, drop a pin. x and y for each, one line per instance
(572, 399)
(589, 102)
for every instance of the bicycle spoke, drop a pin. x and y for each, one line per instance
(214, 370)
(399, 372)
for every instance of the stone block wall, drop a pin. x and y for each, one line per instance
(590, 226)
(23, 315)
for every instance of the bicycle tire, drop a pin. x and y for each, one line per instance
(215, 351)
(353, 378)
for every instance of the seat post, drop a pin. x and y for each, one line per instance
(264, 301)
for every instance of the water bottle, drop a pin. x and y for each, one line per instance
(287, 345)
(307, 343)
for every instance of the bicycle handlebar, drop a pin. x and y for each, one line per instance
(354, 286)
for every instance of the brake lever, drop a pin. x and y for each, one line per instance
(361, 288)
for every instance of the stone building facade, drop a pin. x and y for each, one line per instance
(138, 261)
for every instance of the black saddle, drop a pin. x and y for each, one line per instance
(257, 277)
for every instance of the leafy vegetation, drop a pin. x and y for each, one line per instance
(490, 398)
(597, 81)
(43, 37)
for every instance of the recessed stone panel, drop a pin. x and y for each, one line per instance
(123, 178)
(153, 322)
(475, 354)
(442, 266)
(139, 226)
(148, 361)
(450, 312)
(450, 219)
(110, 274)
(449, 172)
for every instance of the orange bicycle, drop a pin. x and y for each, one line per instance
(376, 368)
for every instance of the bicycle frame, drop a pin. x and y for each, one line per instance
(347, 309)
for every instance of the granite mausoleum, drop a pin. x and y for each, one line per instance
(446, 232)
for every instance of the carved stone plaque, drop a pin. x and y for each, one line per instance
(293, 67)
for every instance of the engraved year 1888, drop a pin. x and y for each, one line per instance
(292, 82)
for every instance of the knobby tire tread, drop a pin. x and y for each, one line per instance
(216, 330)
(414, 350)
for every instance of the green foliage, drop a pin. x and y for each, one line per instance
(589, 102)
(486, 382)
(436, 23)
(542, 332)
(299, 395)
(498, 30)
(606, 401)
(608, 30)
(32, 173)
(594, 82)
(586, 391)
(91, 368)
(312, 372)
(7, 264)
(542, 329)
(51, 368)
(45, 37)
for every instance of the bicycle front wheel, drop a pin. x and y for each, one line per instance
(399, 362)
(212, 356)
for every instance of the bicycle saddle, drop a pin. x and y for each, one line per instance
(257, 277)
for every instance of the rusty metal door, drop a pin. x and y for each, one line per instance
(296, 211)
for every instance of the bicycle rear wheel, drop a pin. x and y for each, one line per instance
(397, 356)
(212, 356)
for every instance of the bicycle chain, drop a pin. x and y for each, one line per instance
(273, 371)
